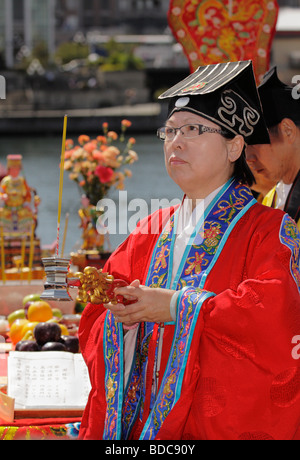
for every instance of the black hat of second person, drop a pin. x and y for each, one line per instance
(278, 100)
(226, 94)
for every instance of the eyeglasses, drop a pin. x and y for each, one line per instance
(166, 133)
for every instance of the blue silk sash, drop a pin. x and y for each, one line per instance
(205, 245)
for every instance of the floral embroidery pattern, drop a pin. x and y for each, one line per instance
(235, 202)
(166, 233)
(206, 242)
(132, 397)
(161, 259)
(290, 237)
(211, 235)
(113, 378)
(169, 393)
(195, 264)
(213, 31)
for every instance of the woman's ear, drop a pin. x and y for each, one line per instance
(235, 147)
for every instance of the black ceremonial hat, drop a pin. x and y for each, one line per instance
(226, 94)
(277, 99)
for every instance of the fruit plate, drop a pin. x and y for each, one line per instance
(13, 292)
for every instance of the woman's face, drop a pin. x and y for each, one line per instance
(200, 164)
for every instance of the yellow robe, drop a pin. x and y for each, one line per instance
(269, 200)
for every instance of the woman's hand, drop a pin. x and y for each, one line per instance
(152, 304)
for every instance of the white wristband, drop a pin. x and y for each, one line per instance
(173, 305)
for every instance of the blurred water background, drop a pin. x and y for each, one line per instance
(41, 158)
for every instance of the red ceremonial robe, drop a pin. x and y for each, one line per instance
(240, 376)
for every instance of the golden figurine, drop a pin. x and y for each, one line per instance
(16, 215)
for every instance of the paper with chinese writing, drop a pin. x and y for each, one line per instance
(47, 380)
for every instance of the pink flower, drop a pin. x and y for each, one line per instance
(102, 139)
(83, 138)
(131, 141)
(67, 165)
(105, 127)
(97, 155)
(105, 174)
(68, 154)
(69, 144)
(126, 123)
(112, 135)
(90, 146)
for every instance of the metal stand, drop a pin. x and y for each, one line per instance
(56, 286)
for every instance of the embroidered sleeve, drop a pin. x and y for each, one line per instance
(290, 237)
(189, 302)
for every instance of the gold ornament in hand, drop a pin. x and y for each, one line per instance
(97, 287)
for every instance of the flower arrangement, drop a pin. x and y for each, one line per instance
(95, 164)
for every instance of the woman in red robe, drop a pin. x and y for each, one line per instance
(208, 349)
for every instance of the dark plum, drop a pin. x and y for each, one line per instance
(27, 345)
(71, 343)
(47, 332)
(53, 346)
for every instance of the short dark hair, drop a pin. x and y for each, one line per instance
(241, 172)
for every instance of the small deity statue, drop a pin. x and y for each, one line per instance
(16, 214)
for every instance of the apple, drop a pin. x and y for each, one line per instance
(31, 298)
(47, 332)
(57, 313)
(17, 314)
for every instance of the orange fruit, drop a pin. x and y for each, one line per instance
(39, 311)
(16, 328)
